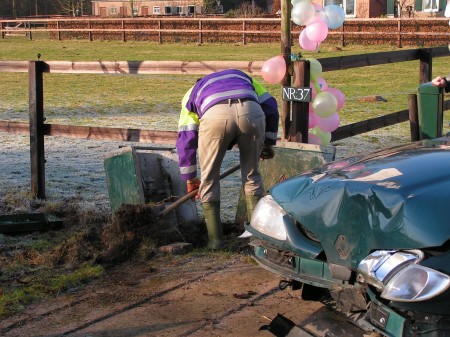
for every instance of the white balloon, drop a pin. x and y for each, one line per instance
(302, 13)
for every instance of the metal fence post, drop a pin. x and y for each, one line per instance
(36, 111)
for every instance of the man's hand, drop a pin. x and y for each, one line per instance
(267, 152)
(439, 82)
(192, 185)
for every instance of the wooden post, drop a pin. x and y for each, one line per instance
(244, 27)
(200, 35)
(399, 30)
(1, 29)
(59, 32)
(413, 117)
(286, 51)
(298, 130)
(123, 31)
(36, 111)
(29, 29)
(343, 35)
(426, 65)
(90, 31)
(159, 31)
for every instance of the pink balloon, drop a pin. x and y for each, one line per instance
(312, 121)
(274, 69)
(316, 30)
(339, 96)
(318, 7)
(328, 124)
(306, 43)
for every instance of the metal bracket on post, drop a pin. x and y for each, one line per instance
(36, 112)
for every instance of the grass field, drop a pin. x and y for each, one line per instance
(152, 101)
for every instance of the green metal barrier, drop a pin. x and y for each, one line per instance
(430, 102)
(291, 158)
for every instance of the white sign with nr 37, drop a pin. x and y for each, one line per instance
(296, 94)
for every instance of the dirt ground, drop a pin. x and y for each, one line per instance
(185, 295)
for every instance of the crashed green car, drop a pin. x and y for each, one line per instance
(370, 234)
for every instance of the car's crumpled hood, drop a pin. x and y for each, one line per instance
(393, 199)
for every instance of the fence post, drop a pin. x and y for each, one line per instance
(286, 44)
(89, 32)
(123, 31)
(298, 128)
(29, 29)
(399, 30)
(1, 29)
(200, 35)
(413, 117)
(244, 27)
(58, 31)
(343, 35)
(159, 31)
(36, 111)
(426, 65)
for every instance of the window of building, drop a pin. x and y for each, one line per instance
(179, 9)
(113, 11)
(156, 10)
(167, 10)
(135, 10)
(430, 5)
(348, 6)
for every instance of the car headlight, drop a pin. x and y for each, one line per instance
(267, 218)
(415, 283)
(400, 278)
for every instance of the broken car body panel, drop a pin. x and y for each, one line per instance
(395, 199)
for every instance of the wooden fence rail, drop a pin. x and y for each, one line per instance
(401, 31)
(37, 129)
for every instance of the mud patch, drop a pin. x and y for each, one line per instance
(135, 232)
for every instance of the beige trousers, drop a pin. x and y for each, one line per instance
(222, 124)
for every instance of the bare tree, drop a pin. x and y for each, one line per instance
(73, 7)
(14, 13)
(134, 4)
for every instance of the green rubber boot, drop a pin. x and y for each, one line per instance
(211, 211)
(251, 202)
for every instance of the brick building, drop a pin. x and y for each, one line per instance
(118, 8)
(353, 8)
